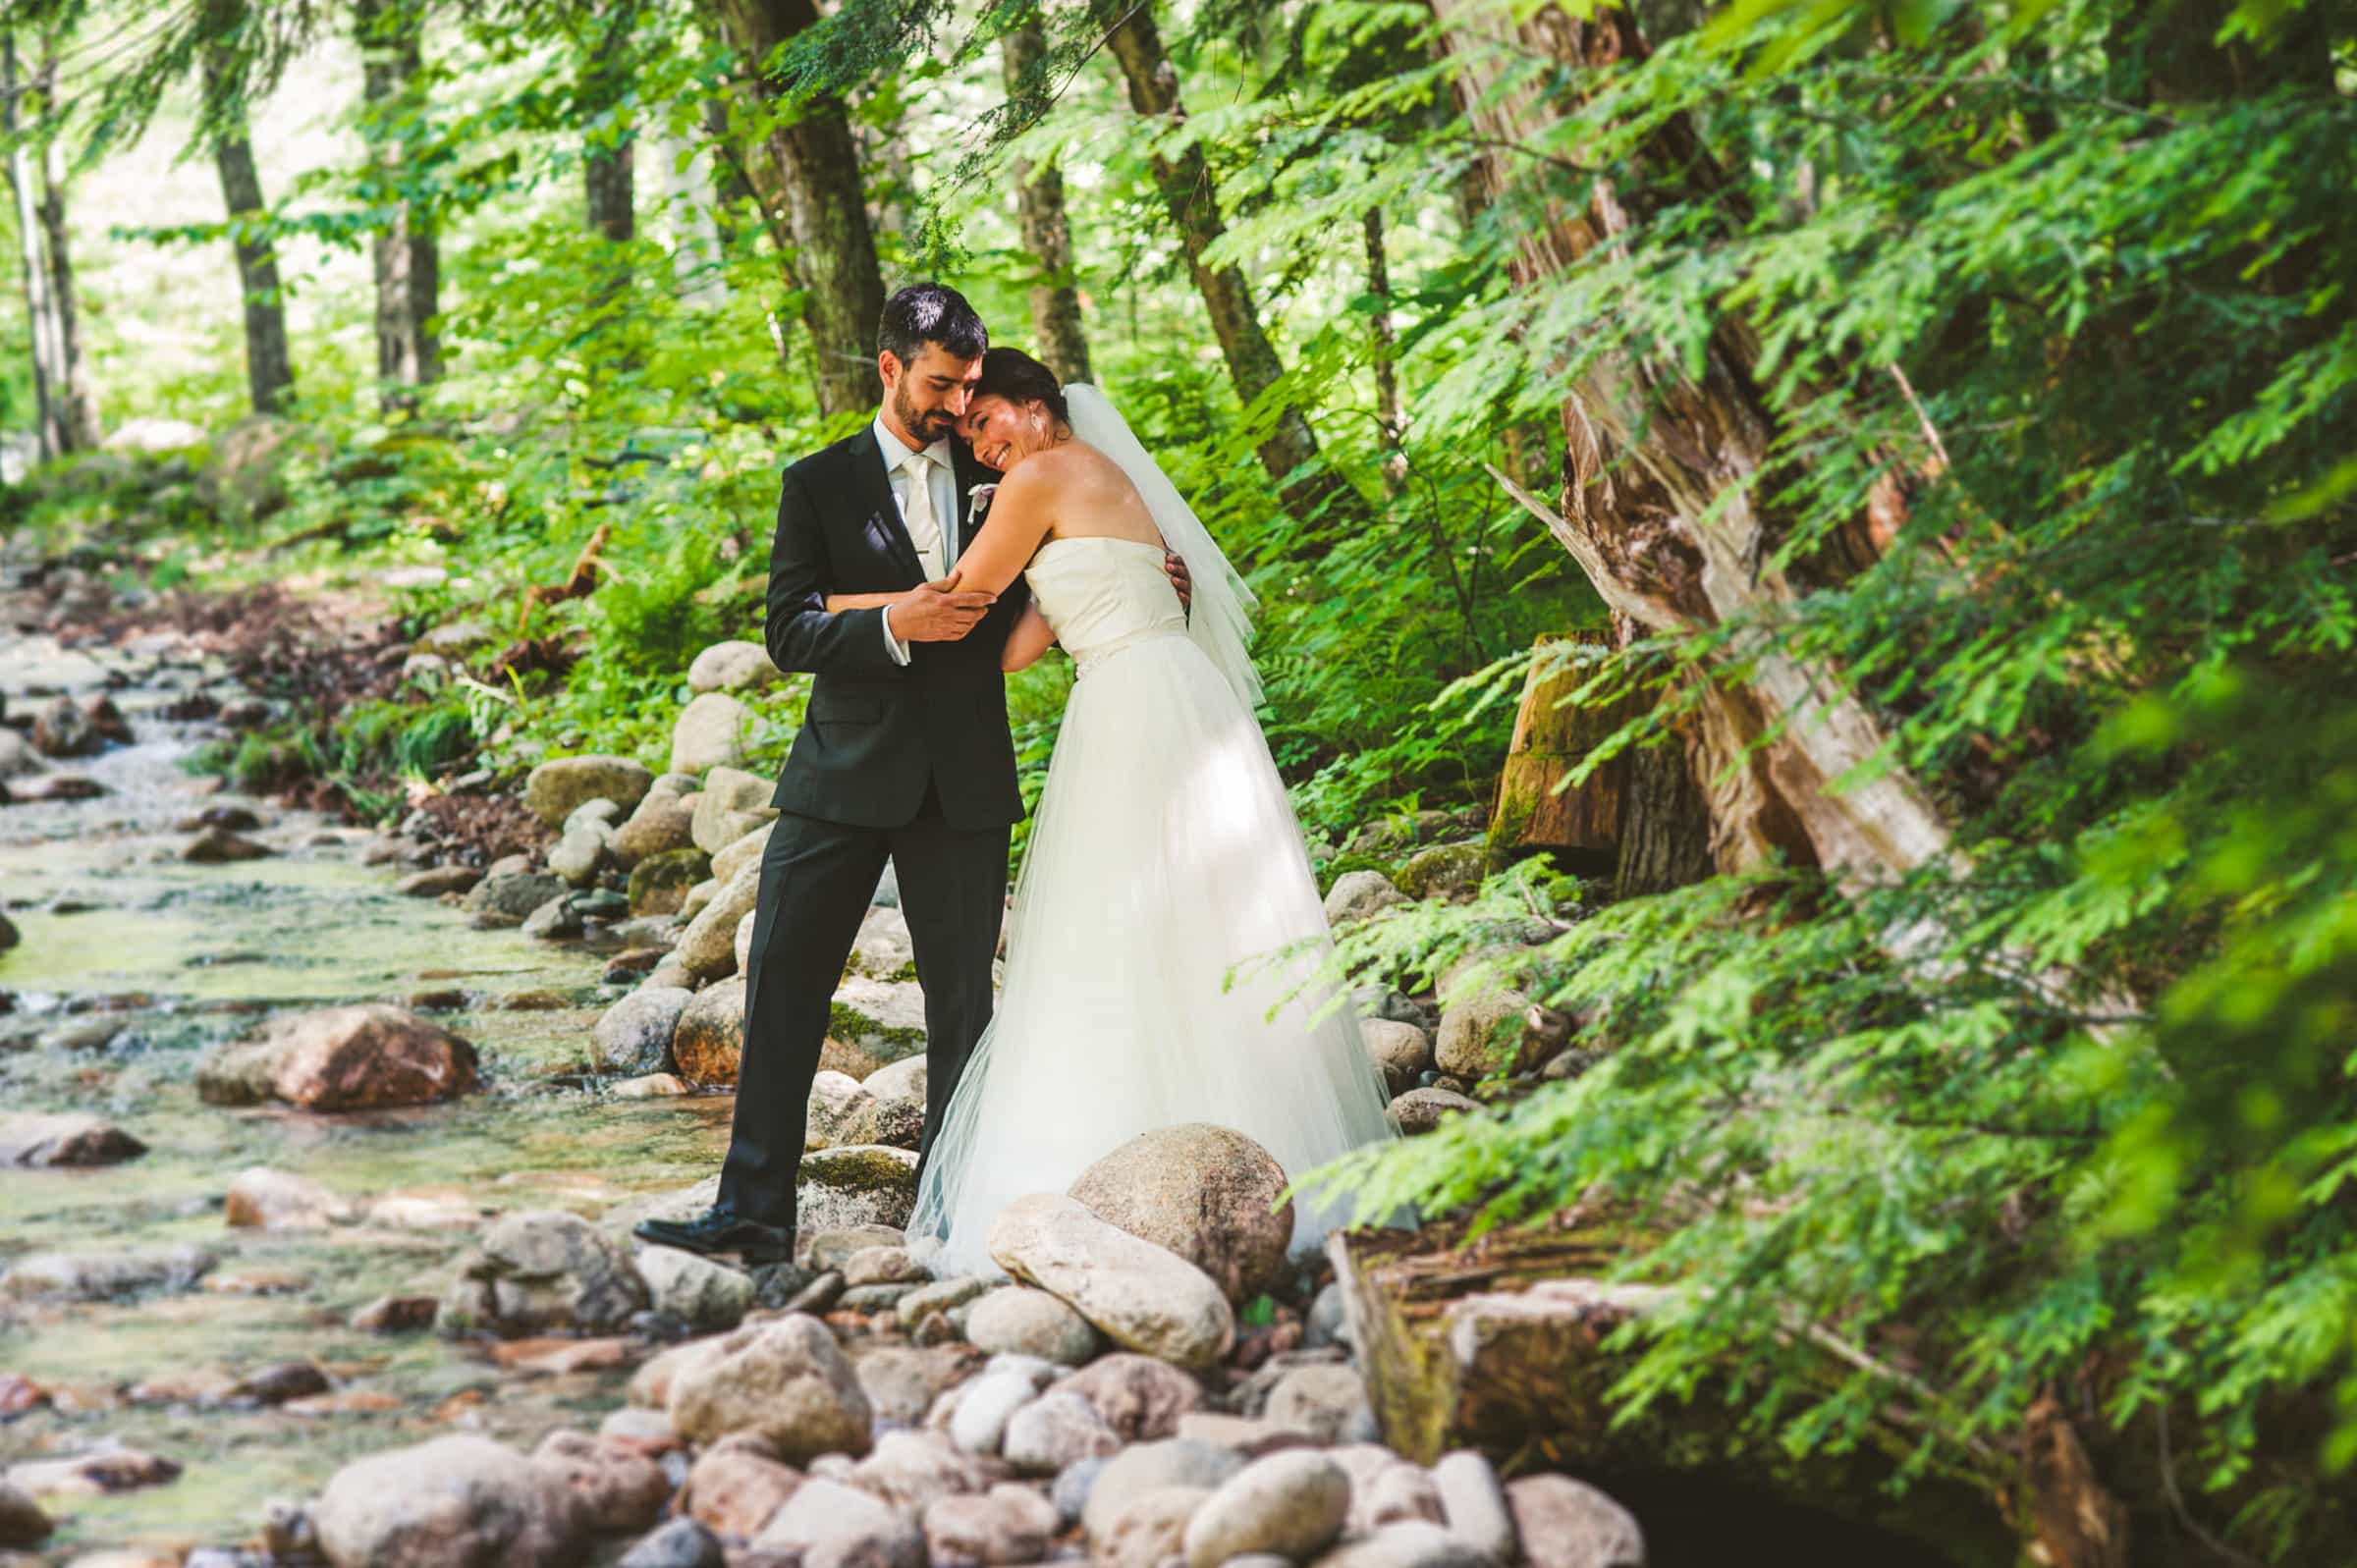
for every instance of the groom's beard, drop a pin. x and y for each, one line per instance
(928, 425)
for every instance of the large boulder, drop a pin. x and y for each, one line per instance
(460, 1499)
(1142, 1296)
(860, 1184)
(786, 1381)
(34, 1138)
(659, 882)
(708, 1041)
(711, 733)
(1209, 1194)
(732, 804)
(541, 1270)
(341, 1058)
(743, 851)
(708, 947)
(635, 1034)
(732, 667)
(554, 790)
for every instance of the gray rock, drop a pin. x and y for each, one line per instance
(1473, 1505)
(911, 1469)
(32, 1139)
(862, 1184)
(542, 1270)
(1030, 1322)
(1399, 1051)
(978, 1425)
(1073, 1484)
(1009, 1524)
(511, 896)
(1290, 1504)
(1207, 1194)
(884, 950)
(1145, 1468)
(662, 822)
(104, 1275)
(835, 1246)
(456, 1499)
(838, 1111)
(732, 667)
(1356, 894)
(1562, 1523)
(1496, 1031)
(341, 1058)
(834, 1525)
(436, 881)
(941, 1296)
(554, 920)
(1150, 1532)
(1143, 1297)
(888, 888)
(1414, 1544)
(1054, 1433)
(555, 788)
(786, 1381)
(681, 1543)
(1419, 1110)
(1328, 1403)
(711, 733)
(703, 1295)
(1140, 1398)
(708, 947)
(742, 851)
(902, 1383)
(1329, 1322)
(578, 855)
(635, 1034)
(732, 804)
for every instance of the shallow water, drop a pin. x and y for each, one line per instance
(182, 955)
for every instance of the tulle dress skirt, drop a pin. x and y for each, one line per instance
(1163, 874)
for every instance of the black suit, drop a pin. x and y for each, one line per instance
(912, 762)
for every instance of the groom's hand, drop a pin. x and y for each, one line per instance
(1185, 584)
(935, 611)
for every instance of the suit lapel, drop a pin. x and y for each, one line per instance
(872, 486)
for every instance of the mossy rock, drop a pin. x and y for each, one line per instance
(1341, 865)
(1444, 871)
(659, 884)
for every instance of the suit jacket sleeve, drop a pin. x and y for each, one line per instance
(800, 632)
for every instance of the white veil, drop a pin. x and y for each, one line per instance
(1221, 619)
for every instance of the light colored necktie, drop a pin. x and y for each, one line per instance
(917, 513)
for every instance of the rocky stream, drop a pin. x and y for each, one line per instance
(319, 1148)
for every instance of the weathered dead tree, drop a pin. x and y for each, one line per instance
(1537, 807)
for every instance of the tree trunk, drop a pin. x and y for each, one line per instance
(1660, 507)
(407, 259)
(77, 403)
(1047, 232)
(806, 174)
(40, 319)
(1184, 180)
(1536, 808)
(1665, 822)
(269, 371)
(607, 174)
(1383, 346)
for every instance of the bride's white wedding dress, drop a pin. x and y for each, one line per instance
(1164, 855)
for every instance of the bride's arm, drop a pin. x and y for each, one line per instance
(836, 603)
(1031, 638)
(1019, 516)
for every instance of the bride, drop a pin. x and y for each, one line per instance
(1165, 866)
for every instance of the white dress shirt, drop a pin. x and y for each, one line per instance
(942, 487)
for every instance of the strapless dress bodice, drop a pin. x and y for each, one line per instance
(1103, 594)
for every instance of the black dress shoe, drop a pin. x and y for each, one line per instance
(721, 1230)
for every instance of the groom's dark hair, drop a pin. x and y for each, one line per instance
(930, 313)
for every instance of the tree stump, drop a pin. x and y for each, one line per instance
(1500, 1344)
(1536, 809)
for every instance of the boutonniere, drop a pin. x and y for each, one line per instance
(977, 504)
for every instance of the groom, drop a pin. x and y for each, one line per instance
(904, 754)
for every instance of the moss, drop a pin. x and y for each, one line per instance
(659, 884)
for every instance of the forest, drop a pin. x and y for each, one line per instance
(1807, 541)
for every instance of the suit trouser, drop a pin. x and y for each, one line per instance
(816, 881)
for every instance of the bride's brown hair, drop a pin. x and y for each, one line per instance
(1015, 375)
